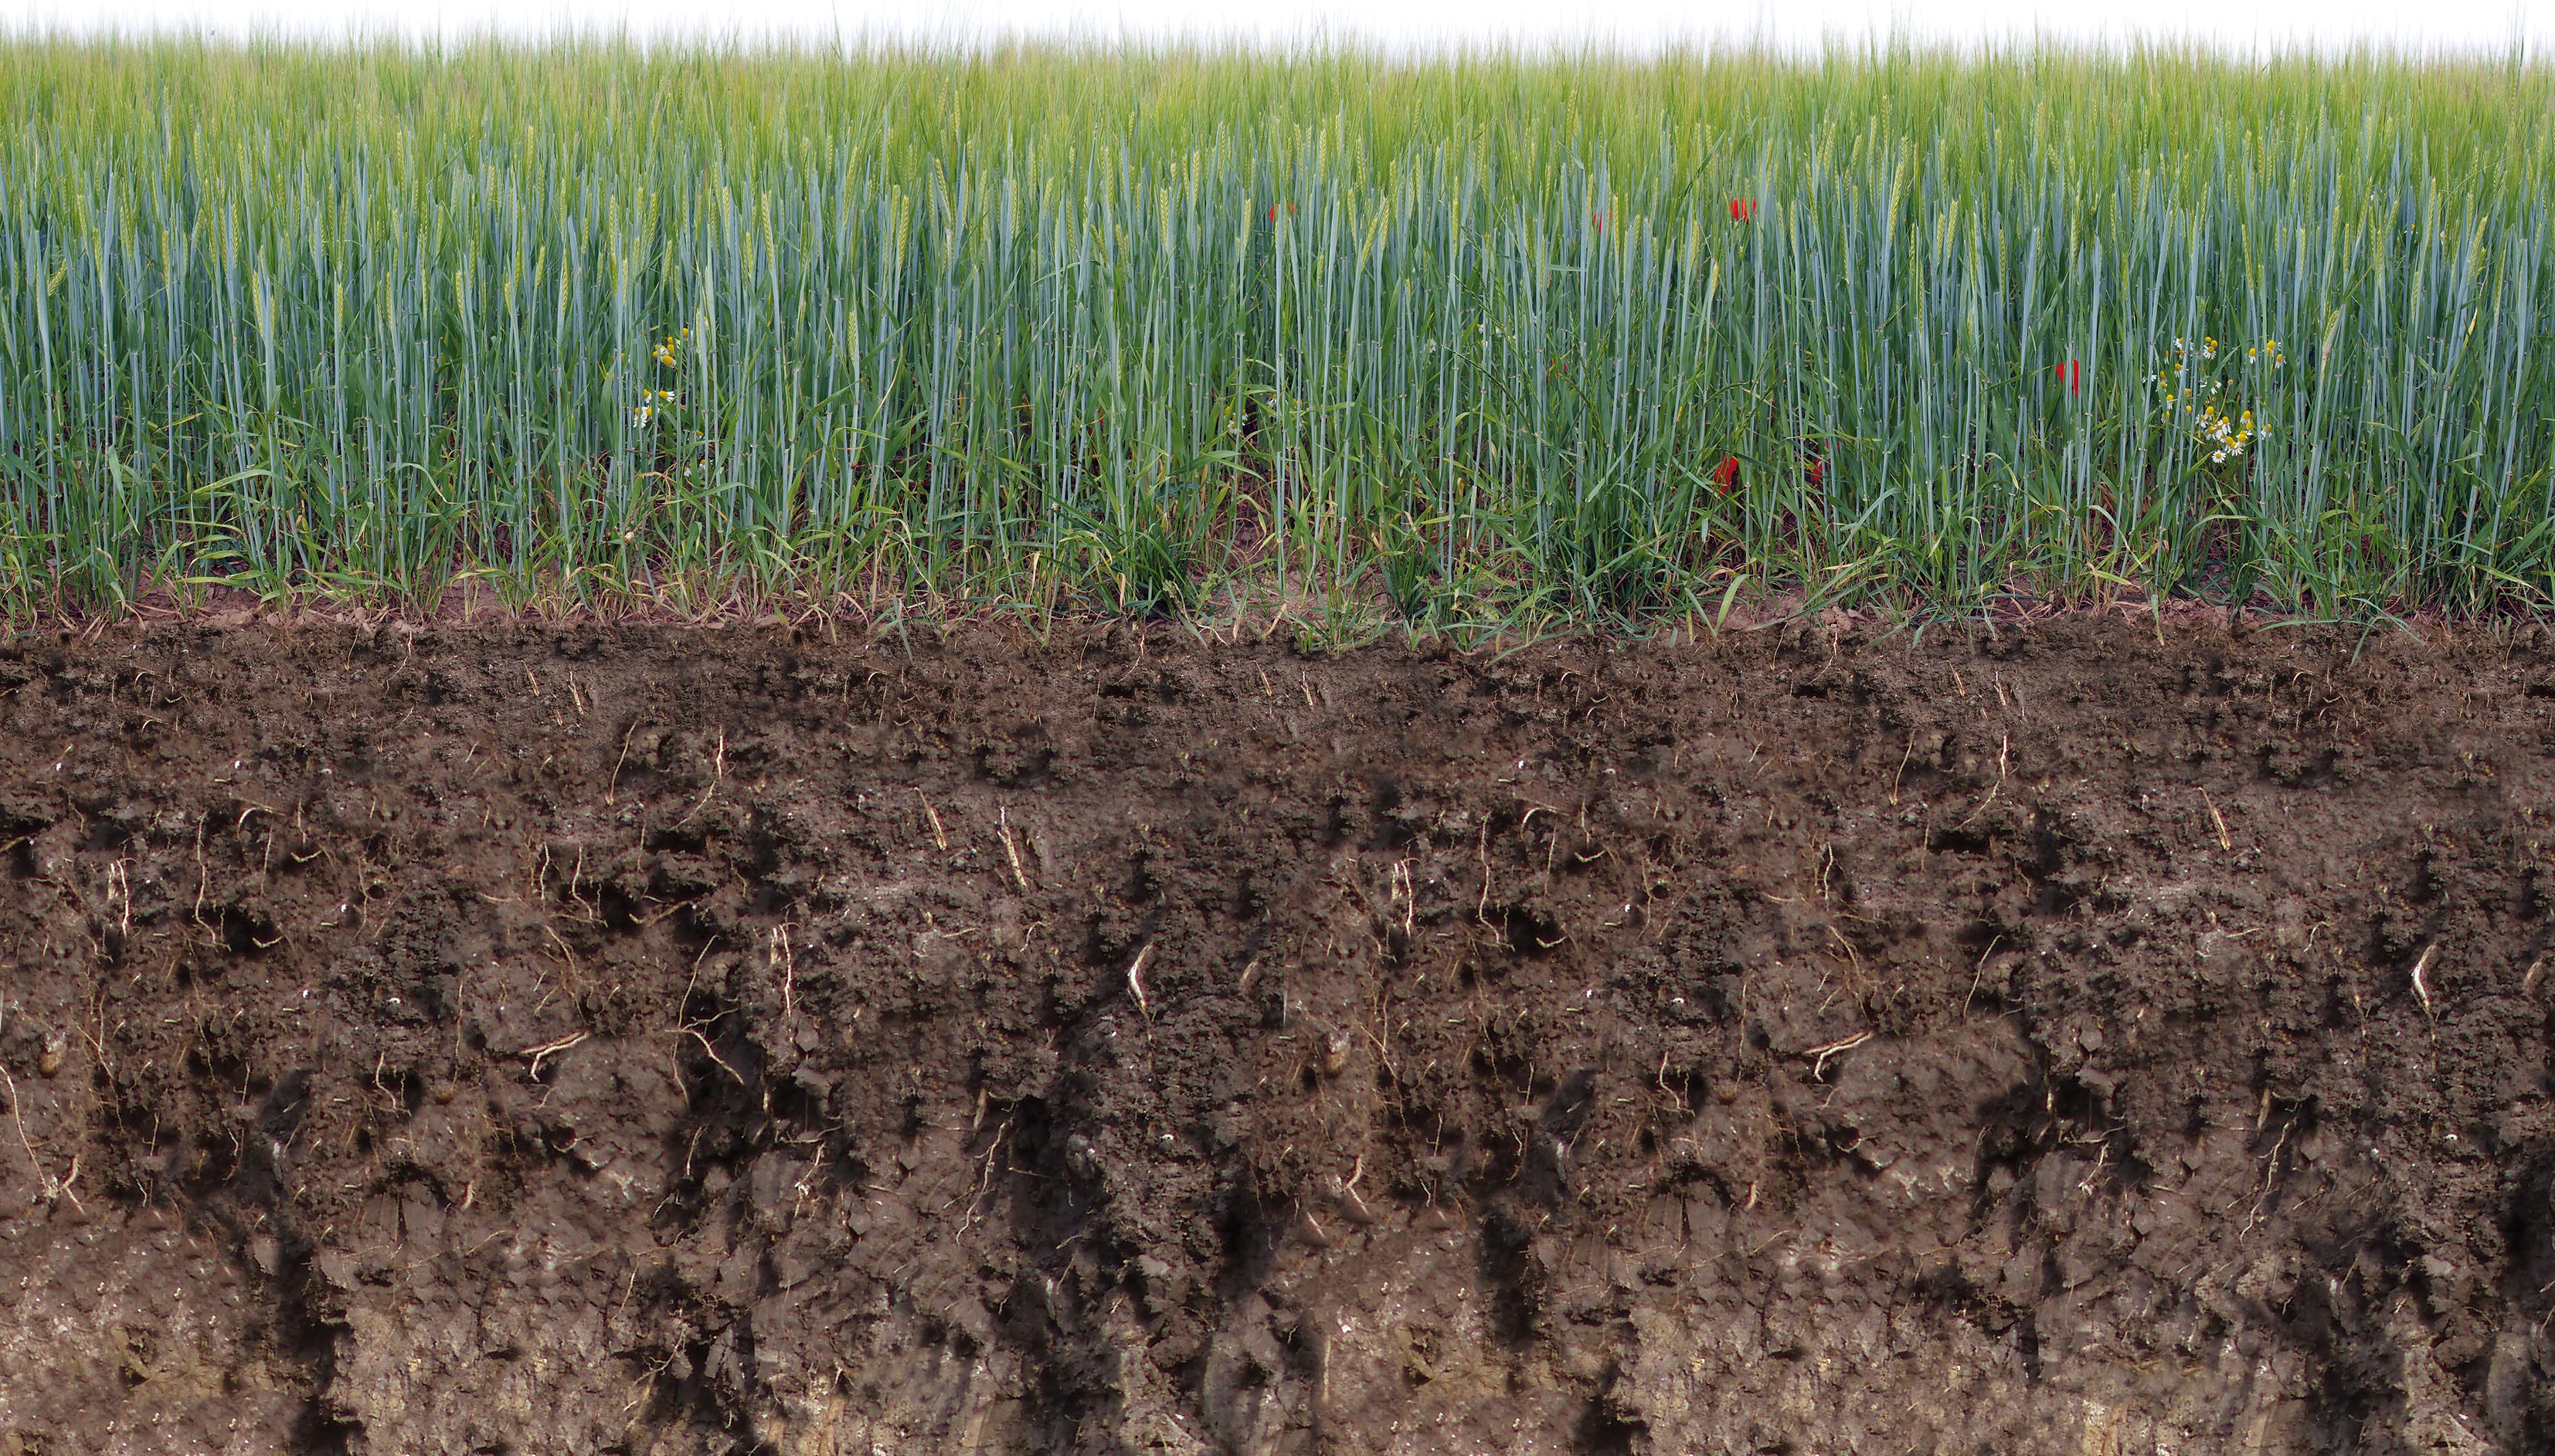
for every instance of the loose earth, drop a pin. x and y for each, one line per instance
(2097, 1036)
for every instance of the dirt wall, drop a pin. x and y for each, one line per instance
(519, 1039)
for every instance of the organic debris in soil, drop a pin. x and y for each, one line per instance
(653, 1039)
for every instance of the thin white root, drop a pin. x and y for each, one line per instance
(2224, 840)
(718, 776)
(1003, 823)
(49, 1188)
(1819, 1066)
(712, 1052)
(1350, 1203)
(549, 1048)
(1136, 980)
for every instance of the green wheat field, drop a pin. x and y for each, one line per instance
(1469, 341)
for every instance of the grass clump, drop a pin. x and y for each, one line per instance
(1585, 337)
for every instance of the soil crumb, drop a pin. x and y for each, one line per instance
(2086, 1039)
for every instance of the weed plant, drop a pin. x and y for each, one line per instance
(1588, 337)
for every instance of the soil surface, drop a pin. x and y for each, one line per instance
(2087, 1039)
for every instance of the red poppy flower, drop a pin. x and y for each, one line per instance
(1598, 219)
(1743, 209)
(1726, 474)
(2072, 372)
(1815, 471)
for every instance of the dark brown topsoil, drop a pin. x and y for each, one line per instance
(541, 1039)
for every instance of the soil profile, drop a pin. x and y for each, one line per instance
(2092, 1038)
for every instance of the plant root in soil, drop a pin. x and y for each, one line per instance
(526, 1037)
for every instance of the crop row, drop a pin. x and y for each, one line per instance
(1462, 336)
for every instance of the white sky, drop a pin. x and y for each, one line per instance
(2463, 25)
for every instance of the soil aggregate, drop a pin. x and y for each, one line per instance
(2097, 1037)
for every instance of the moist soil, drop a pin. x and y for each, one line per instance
(2094, 1037)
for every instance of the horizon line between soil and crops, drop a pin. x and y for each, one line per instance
(1575, 337)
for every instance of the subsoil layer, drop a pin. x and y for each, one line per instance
(2088, 1039)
